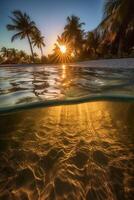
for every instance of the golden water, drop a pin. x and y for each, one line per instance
(72, 152)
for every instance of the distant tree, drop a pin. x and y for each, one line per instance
(1, 59)
(22, 24)
(23, 57)
(12, 55)
(4, 52)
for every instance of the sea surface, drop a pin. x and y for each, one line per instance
(67, 131)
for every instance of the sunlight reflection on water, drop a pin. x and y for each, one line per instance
(27, 84)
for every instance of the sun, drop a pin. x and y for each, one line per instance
(63, 52)
(63, 48)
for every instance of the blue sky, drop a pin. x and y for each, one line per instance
(50, 17)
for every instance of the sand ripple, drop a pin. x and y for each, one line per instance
(77, 152)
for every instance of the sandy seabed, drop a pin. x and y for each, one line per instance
(72, 152)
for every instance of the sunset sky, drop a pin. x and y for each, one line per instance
(50, 17)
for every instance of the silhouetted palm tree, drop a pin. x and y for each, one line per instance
(22, 24)
(73, 31)
(4, 52)
(38, 40)
(118, 17)
(92, 42)
(1, 59)
(9, 55)
(23, 57)
(58, 55)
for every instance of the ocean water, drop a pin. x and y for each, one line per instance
(67, 131)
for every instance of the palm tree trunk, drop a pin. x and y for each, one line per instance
(41, 52)
(121, 35)
(120, 47)
(30, 44)
(95, 52)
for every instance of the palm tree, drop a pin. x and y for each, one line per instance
(22, 24)
(23, 57)
(4, 52)
(73, 32)
(93, 40)
(38, 40)
(58, 55)
(118, 15)
(1, 59)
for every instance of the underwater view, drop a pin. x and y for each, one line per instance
(68, 137)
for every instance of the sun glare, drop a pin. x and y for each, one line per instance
(72, 54)
(63, 49)
(63, 52)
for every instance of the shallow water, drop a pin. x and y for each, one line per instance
(33, 85)
(83, 152)
(80, 148)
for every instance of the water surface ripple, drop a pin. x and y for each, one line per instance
(51, 84)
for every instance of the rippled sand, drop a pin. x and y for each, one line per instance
(73, 152)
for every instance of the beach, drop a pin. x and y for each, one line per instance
(67, 100)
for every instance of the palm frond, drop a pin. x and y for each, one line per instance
(16, 36)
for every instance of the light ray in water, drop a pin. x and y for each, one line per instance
(78, 143)
(82, 151)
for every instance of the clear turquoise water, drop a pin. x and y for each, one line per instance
(78, 144)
